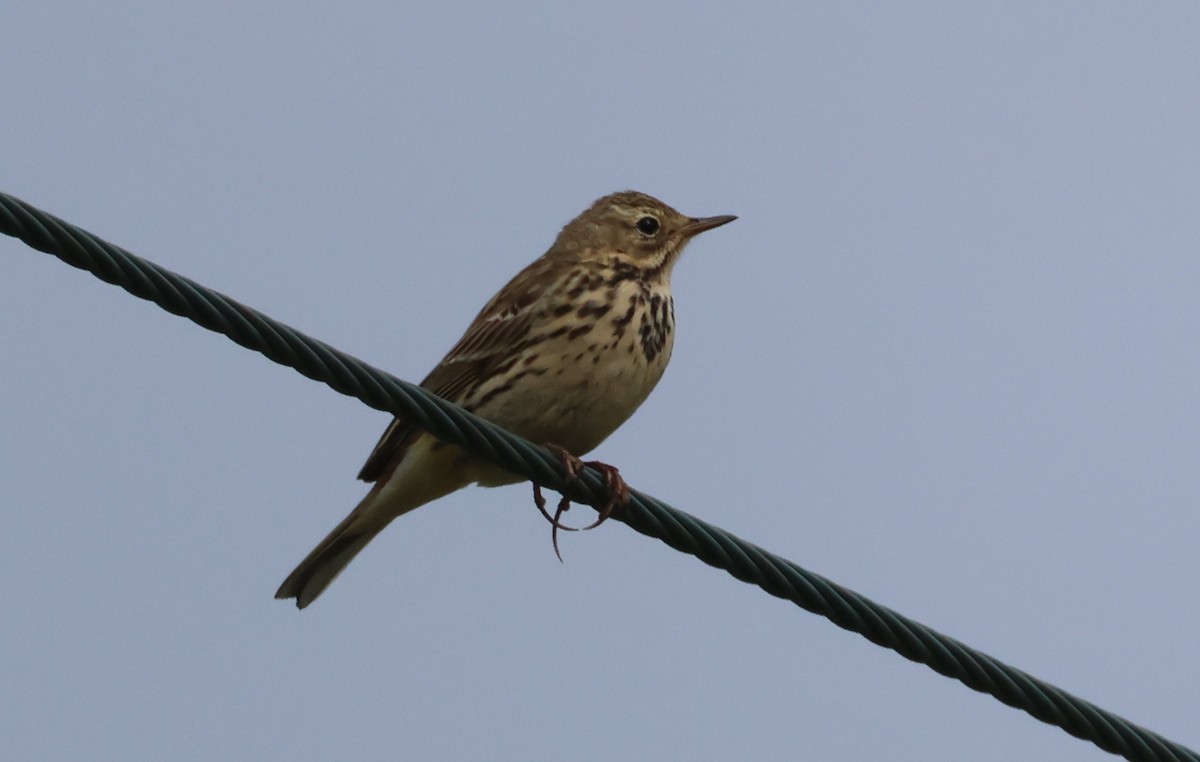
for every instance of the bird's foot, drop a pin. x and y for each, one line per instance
(555, 520)
(618, 494)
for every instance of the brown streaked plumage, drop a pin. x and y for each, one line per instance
(562, 355)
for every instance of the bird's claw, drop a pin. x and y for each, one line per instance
(555, 520)
(617, 489)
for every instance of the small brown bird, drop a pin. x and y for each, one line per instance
(562, 355)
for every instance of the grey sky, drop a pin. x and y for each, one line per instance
(947, 357)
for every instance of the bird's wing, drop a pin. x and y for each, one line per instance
(495, 334)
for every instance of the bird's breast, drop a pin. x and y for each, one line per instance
(594, 367)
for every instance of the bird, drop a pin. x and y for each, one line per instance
(561, 355)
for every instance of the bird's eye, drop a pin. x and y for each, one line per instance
(648, 225)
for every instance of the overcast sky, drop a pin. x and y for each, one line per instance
(947, 356)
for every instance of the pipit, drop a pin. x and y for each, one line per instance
(562, 355)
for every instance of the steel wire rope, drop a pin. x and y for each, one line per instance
(645, 514)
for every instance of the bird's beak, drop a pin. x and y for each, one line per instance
(698, 225)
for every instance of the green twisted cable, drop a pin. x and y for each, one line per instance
(654, 518)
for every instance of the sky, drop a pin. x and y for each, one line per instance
(946, 357)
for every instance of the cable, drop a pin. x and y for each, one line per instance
(654, 518)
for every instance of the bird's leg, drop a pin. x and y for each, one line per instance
(618, 493)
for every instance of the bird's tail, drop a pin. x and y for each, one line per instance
(328, 559)
(426, 471)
